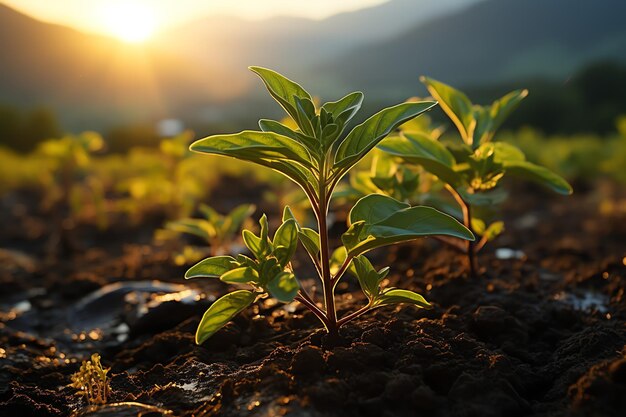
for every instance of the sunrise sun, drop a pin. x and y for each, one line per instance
(129, 21)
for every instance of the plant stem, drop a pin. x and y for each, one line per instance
(470, 250)
(313, 308)
(355, 314)
(327, 284)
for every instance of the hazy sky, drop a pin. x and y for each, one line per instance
(99, 15)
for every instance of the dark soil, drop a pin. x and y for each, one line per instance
(542, 335)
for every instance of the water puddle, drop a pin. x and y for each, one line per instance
(508, 253)
(587, 300)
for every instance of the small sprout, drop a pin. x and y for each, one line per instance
(471, 171)
(91, 381)
(312, 151)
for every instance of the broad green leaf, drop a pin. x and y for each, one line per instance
(539, 174)
(353, 236)
(374, 208)
(337, 258)
(259, 247)
(310, 240)
(397, 296)
(484, 198)
(284, 287)
(286, 236)
(243, 275)
(254, 146)
(211, 267)
(288, 215)
(483, 129)
(421, 150)
(503, 107)
(455, 104)
(221, 312)
(267, 125)
(368, 134)
(367, 276)
(503, 152)
(282, 89)
(407, 224)
(344, 109)
(305, 111)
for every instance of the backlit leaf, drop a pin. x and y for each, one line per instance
(221, 312)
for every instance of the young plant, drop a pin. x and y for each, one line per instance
(218, 230)
(91, 381)
(472, 170)
(69, 182)
(316, 156)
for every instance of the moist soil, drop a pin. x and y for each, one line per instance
(540, 332)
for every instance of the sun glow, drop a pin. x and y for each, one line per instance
(131, 22)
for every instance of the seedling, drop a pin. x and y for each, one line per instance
(218, 230)
(91, 381)
(316, 156)
(70, 181)
(472, 170)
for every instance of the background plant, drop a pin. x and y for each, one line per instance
(472, 170)
(219, 231)
(316, 156)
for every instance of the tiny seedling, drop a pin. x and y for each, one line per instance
(316, 155)
(91, 381)
(472, 170)
(218, 230)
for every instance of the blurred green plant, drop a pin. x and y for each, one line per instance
(219, 231)
(316, 156)
(472, 170)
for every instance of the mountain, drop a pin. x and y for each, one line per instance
(293, 43)
(92, 81)
(494, 41)
(198, 72)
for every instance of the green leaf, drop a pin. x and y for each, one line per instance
(368, 278)
(254, 147)
(221, 312)
(374, 208)
(284, 287)
(368, 134)
(337, 258)
(282, 89)
(267, 125)
(419, 149)
(397, 296)
(305, 111)
(286, 237)
(503, 107)
(455, 104)
(211, 267)
(344, 109)
(401, 225)
(259, 247)
(539, 174)
(503, 152)
(310, 240)
(243, 275)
